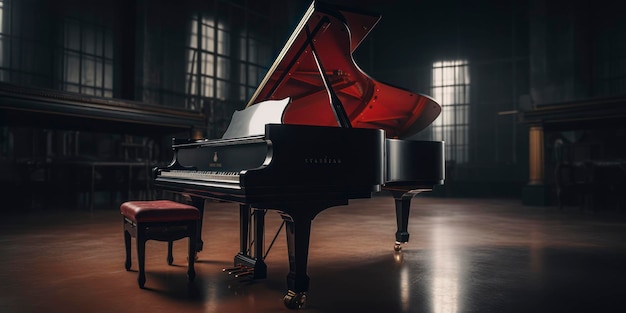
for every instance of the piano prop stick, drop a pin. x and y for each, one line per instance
(335, 102)
(316, 133)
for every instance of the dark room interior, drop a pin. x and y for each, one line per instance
(100, 100)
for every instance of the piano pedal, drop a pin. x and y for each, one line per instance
(234, 270)
(248, 272)
(229, 270)
(240, 271)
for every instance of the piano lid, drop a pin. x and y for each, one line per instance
(335, 33)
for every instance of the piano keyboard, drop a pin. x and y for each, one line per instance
(212, 176)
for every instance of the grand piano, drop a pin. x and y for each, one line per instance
(317, 133)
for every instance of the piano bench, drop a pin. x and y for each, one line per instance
(160, 220)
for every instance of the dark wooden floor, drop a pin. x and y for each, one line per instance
(465, 255)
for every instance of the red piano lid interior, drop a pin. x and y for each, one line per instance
(336, 32)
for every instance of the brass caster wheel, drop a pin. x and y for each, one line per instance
(294, 300)
(397, 247)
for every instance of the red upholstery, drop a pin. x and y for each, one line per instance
(158, 211)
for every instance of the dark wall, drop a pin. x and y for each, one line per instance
(521, 53)
(577, 50)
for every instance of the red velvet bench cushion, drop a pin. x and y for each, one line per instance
(158, 211)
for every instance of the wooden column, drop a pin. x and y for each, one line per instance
(535, 192)
(197, 134)
(536, 155)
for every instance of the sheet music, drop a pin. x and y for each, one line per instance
(251, 120)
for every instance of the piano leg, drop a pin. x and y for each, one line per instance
(298, 232)
(403, 208)
(402, 200)
(298, 217)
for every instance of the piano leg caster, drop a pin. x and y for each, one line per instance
(294, 300)
(397, 247)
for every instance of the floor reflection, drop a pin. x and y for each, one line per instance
(405, 286)
(434, 272)
(444, 263)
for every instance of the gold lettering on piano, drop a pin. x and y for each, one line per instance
(215, 162)
(322, 160)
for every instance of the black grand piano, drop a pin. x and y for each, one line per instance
(316, 133)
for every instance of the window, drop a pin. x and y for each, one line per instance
(87, 59)
(253, 61)
(208, 60)
(4, 40)
(213, 70)
(450, 87)
(610, 71)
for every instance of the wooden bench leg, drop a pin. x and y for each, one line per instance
(127, 243)
(141, 255)
(191, 272)
(170, 257)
